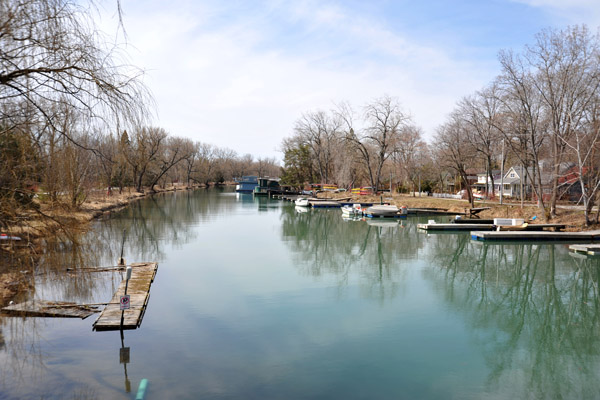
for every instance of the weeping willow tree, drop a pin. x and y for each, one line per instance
(61, 81)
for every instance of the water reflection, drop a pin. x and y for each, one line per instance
(67, 270)
(531, 308)
(324, 243)
(528, 314)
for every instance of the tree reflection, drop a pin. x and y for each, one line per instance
(533, 309)
(68, 270)
(323, 243)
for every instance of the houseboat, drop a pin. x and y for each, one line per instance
(246, 184)
(267, 186)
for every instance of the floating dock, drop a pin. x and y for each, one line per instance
(473, 221)
(587, 249)
(488, 227)
(520, 236)
(324, 204)
(432, 211)
(457, 227)
(142, 276)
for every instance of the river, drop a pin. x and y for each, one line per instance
(255, 299)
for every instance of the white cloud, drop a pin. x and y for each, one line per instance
(235, 86)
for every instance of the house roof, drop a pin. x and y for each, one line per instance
(509, 181)
(521, 172)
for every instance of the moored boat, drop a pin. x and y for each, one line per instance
(382, 211)
(302, 202)
(353, 210)
(246, 184)
(521, 227)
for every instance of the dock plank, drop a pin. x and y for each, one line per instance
(142, 276)
(51, 309)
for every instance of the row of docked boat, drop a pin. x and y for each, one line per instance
(357, 209)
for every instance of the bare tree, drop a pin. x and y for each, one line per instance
(191, 162)
(410, 154)
(320, 132)
(107, 160)
(482, 112)
(207, 163)
(51, 53)
(174, 151)
(143, 152)
(454, 150)
(565, 63)
(522, 124)
(384, 119)
(585, 145)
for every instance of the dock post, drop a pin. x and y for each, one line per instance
(127, 277)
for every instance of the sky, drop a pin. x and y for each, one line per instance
(238, 74)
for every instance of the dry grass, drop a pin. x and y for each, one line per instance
(11, 284)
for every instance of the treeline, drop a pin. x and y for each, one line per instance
(541, 114)
(374, 147)
(75, 116)
(543, 108)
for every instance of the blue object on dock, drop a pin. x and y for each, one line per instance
(142, 389)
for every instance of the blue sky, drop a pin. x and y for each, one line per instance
(238, 74)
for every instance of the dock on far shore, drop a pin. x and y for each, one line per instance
(581, 237)
(586, 249)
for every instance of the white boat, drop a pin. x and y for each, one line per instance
(353, 210)
(302, 202)
(382, 211)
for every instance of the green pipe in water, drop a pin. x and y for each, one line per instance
(142, 389)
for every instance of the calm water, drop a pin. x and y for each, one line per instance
(255, 300)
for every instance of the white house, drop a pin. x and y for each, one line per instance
(484, 181)
(512, 182)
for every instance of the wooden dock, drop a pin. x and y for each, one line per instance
(142, 276)
(324, 204)
(521, 236)
(432, 211)
(473, 221)
(587, 249)
(487, 227)
(51, 309)
(457, 227)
